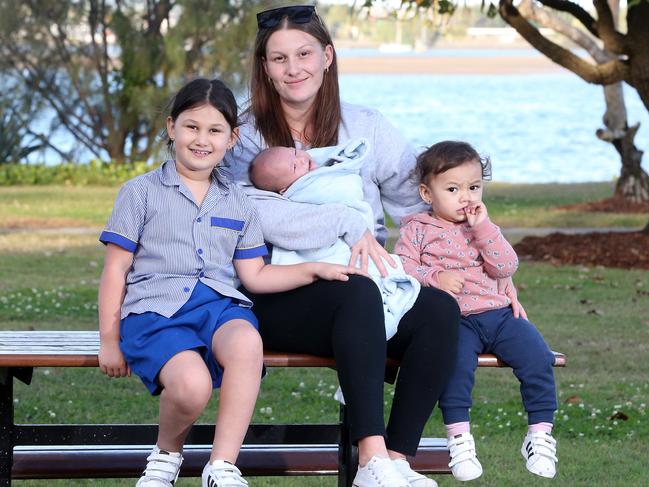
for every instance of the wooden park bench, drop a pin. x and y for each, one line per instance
(49, 451)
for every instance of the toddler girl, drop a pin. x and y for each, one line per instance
(456, 248)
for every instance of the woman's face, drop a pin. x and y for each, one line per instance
(296, 62)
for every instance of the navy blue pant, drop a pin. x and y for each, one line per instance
(517, 342)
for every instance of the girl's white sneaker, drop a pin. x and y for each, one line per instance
(379, 472)
(162, 469)
(415, 479)
(540, 452)
(464, 461)
(220, 473)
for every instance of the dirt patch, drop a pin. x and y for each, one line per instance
(610, 205)
(626, 250)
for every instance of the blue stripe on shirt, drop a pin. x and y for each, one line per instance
(250, 253)
(117, 239)
(228, 223)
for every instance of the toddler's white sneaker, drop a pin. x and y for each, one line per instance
(540, 452)
(464, 461)
(220, 473)
(162, 469)
(379, 472)
(415, 479)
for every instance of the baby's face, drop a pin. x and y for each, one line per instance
(290, 164)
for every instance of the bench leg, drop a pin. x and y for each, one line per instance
(347, 452)
(6, 426)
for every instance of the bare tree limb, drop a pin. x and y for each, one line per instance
(609, 72)
(547, 18)
(46, 141)
(577, 11)
(613, 41)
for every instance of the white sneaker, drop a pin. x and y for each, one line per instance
(464, 461)
(379, 472)
(415, 479)
(540, 452)
(222, 474)
(162, 469)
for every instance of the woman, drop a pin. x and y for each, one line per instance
(295, 102)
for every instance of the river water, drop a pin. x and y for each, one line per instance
(536, 127)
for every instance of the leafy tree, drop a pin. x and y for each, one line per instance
(105, 69)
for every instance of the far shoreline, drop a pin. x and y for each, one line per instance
(448, 65)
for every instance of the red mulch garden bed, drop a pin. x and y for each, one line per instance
(626, 250)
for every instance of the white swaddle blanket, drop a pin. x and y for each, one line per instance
(337, 180)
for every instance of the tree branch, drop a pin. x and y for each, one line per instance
(46, 141)
(548, 18)
(613, 41)
(61, 43)
(576, 11)
(97, 17)
(602, 74)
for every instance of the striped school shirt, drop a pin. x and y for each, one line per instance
(176, 243)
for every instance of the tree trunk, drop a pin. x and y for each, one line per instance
(633, 184)
(638, 51)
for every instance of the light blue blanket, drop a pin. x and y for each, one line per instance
(337, 180)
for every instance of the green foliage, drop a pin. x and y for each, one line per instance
(492, 11)
(94, 173)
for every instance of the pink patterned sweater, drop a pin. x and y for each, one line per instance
(481, 255)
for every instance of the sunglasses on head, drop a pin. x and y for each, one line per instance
(298, 14)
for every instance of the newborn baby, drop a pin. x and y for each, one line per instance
(276, 168)
(331, 175)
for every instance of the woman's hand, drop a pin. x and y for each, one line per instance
(506, 287)
(111, 360)
(368, 248)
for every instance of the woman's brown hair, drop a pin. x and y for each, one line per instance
(265, 102)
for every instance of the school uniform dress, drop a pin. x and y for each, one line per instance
(182, 286)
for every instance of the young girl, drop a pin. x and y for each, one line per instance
(456, 248)
(169, 308)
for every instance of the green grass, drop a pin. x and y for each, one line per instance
(510, 205)
(596, 316)
(55, 206)
(539, 205)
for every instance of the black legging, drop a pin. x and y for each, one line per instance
(345, 320)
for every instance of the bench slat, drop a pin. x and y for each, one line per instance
(80, 349)
(254, 460)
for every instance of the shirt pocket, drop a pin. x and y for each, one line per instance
(225, 234)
